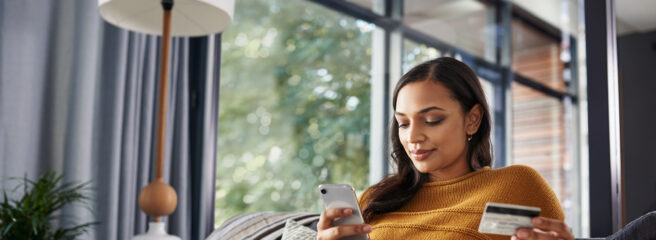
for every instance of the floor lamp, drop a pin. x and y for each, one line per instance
(180, 18)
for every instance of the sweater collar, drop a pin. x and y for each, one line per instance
(458, 179)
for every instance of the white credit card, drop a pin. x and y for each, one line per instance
(505, 219)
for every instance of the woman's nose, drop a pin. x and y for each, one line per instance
(415, 134)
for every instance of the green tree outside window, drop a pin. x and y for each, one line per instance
(294, 106)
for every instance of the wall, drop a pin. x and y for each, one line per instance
(637, 66)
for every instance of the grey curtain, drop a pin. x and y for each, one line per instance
(78, 95)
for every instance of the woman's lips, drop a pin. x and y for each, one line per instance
(419, 155)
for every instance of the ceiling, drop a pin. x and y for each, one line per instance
(635, 16)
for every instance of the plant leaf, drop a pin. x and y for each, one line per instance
(30, 215)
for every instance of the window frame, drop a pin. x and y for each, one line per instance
(388, 16)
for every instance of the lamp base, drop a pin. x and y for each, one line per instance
(156, 231)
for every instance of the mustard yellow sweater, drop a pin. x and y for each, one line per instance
(452, 209)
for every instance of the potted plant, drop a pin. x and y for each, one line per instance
(31, 215)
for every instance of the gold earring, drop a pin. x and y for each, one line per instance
(469, 137)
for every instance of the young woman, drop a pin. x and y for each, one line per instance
(440, 137)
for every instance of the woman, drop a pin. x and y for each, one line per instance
(441, 147)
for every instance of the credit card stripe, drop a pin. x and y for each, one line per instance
(512, 211)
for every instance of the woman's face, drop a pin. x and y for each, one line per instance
(433, 129)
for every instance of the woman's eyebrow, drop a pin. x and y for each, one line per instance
(425, 110)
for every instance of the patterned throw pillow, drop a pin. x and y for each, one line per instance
(296, 231)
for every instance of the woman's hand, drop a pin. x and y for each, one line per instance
(545, 228)
(327, 231)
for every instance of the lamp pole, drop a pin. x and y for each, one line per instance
(158, 198)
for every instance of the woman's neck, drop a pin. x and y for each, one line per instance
(457, 169)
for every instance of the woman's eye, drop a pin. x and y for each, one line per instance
(403, 125)
(433, 123)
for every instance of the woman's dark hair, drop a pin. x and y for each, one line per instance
(396, 190)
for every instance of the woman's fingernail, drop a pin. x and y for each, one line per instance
(366, 228)
(347, 211)
(522, 234)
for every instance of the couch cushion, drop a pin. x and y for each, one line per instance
(261, 225)
(296, 231)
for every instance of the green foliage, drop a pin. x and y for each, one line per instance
(415, 54)
(294, 106)
(31, 216)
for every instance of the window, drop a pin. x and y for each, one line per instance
(537, 56)
(543, 127)
(466, 24)
(294, 106)
(539, 138)
(415, 53)
(296, 92)
(368, 4)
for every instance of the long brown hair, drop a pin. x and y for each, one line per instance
(391, 193)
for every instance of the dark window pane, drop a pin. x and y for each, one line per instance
(540, 140)
(537, 56)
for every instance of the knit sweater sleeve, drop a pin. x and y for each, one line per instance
(535, 191)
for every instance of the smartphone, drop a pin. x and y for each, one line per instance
(343, 196)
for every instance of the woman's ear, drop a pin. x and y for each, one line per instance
(473, 119)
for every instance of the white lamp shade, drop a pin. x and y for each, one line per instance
(188, 17)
